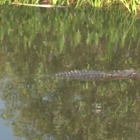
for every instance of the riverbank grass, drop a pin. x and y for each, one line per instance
(131, 5)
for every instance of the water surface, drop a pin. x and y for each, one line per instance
(36, 43)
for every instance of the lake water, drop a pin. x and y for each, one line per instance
(35, 44)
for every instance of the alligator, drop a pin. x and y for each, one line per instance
(94, 75)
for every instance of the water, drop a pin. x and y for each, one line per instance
(5, 129)
(35, 44)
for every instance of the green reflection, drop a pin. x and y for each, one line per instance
(36, 43)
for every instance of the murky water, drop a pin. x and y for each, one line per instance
(35, 44)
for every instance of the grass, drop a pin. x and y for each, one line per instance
(131, 5)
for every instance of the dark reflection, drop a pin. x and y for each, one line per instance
(35, 45)
(65, 109)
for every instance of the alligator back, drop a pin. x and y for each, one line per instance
(83, 74)
(129, 73)
(93, 75)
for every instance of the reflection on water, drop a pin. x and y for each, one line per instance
(5, 127)
(53, 108)
(39, 106)
(6, 133)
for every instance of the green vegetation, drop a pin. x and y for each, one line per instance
(36, 42)
(130, 5)
(64, 109)
(60, 32)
